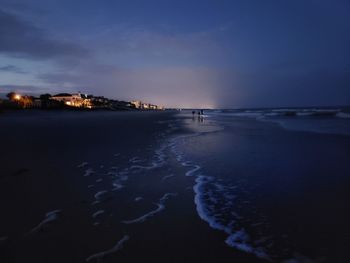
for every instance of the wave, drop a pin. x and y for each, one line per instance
(215, 203)
(210, 208)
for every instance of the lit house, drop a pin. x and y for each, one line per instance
(137, 104)
(73, 100)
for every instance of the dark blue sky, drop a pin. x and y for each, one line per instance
(216, 53)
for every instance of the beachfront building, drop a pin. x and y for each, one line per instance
(137, 104)
(145, 106)
(73, 100)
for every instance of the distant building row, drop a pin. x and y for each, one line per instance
(145, 106)
(76, 100)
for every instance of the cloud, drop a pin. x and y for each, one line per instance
(12, 68)
(25, 89)
(21, 38)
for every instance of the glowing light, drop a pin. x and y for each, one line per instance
(68, 103)
(17, 97)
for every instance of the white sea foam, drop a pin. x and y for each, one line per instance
(160, 207)
(99, 256)
(240, 240)
(193, 170)
(99, 180)
(237, 239)
(343, 115)
(100, 195)
(138, 198)
(49, 217)
(136, 160)
(99, 212)
(83, 164)
(117, 186)
(89, 172)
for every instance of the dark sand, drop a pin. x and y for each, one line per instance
(40, 154)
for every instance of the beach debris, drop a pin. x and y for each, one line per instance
(49, 217)
(83, 164)
(160, 207)
(99, 256)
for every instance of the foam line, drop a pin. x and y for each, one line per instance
(99, 194)
(99, 256)
(236, 239)
(160, 207)
(49, 217)
(89, 172)
(117, 186)
(192, 171)
(99, 212)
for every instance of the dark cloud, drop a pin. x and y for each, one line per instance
(12, 68)
(24, 39)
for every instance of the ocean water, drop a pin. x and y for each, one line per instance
(332, 121)
(277, 191)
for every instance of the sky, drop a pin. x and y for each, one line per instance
(204, 53)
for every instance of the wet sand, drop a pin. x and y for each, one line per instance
(163, 187)
(87, 186)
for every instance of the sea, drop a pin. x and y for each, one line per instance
(275, 181)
